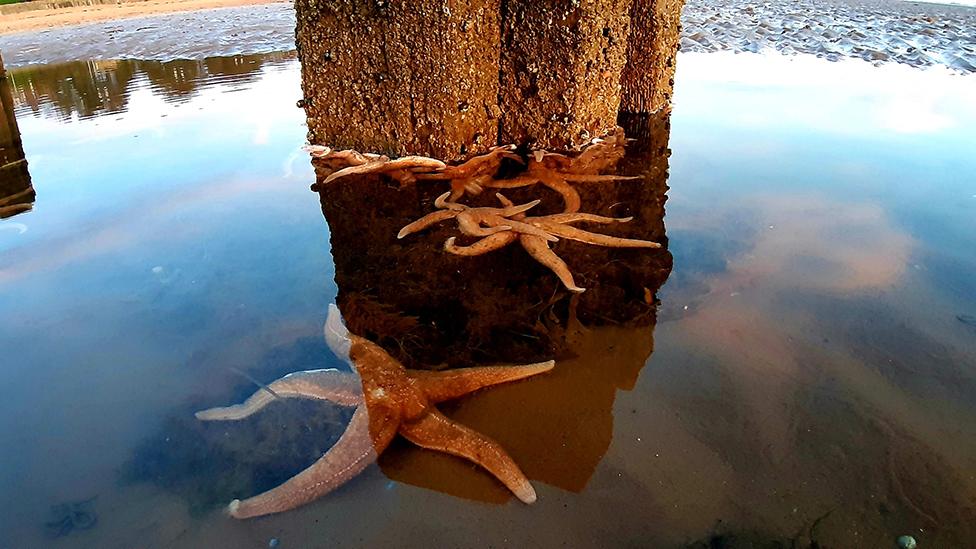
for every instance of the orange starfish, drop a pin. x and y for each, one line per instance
(554, 170)
(470, 219)
(350, 162)
(470, 175)
(510, 223)
(389, 399)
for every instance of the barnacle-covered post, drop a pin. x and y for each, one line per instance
(561, 63)
(400, 76)
(647, 81)
(448, 79)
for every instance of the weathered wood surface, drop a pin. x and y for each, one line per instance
(449, 78)
(560, 70)
(400, 76)
(647, 81)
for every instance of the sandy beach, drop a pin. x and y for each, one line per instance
(53, 18)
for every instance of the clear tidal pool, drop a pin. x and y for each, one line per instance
(810, 377)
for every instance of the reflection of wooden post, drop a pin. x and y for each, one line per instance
(16, 193)
(648, 77)
(448, 79)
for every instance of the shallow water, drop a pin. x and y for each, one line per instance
(810, 377)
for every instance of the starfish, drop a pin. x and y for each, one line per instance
(389, 400)
(554, 170)
(537, 245)
(402, 169)
(470, 219)
(471, 175)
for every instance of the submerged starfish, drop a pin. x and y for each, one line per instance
(534, 233)
(470, 219)
(389, 399)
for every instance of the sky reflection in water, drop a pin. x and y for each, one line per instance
(809, 360)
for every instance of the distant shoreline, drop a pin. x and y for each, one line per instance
(87, 12)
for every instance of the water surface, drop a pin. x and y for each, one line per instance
(809, 374)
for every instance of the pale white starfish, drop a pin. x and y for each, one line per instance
(403, 169)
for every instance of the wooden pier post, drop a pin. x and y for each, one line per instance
(448, 79)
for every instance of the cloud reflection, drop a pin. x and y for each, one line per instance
(769, 90)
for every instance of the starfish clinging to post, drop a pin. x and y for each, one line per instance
(389, 399)
(534, 233)
(470, 219)
(403, 169)
(554, 170)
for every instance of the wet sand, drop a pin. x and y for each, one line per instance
(52, 18)
(874, 30)
(189, 35)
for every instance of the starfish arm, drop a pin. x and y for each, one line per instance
(426, 221)
(451, 384)
(317, 151)
(504, 200)
(337, 336)
(510, 207)
(469, 225)
(511, 210)
(512, 183)
(446, 201)
(404, 177)
(414, 162)
(483, 246)
(472, 186)
(352, 453)
(525, 228)
(348, 156)
(440, 176)
(577, 217)
(570, 196)
(539, 250)
(342, 388)
(457, 190)
(587, 178)
(435, 431)
(369, 167)
(580, 235)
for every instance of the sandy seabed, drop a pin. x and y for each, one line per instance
(40, 19)
(878, 31)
